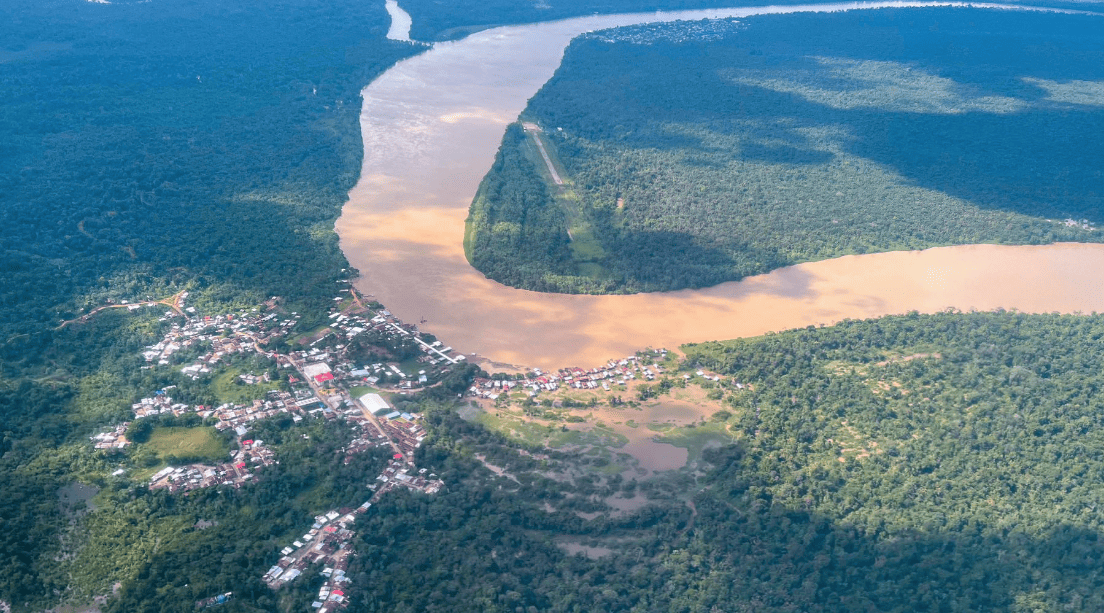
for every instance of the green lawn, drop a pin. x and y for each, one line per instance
(359, 390)
(199, 443)
(228, 388)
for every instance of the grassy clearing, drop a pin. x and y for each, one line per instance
(199, 443)
(361, 390)
(229, 388)
(527, 432)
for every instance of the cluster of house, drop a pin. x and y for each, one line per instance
(112, 439)
(251, 455)
(326, 543)
(367, 437)
(314, 364)
(238, 417)
(214, 601)
(614, 372)
(159, 404)
(1084, 224)
(397, 474)
(713, 377)
(219, 348)
(385, 323)
(351, 325)
(404, 431)
(229, 416)
(220, 335)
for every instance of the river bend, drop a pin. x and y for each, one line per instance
(431, 126)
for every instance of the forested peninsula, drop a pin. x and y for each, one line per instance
(695, 153)
(453, 19)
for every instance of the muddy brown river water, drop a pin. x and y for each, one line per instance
(431, 126)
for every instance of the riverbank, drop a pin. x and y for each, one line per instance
(431, 126)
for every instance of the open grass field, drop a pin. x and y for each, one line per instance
(199, 443)
(229, 388)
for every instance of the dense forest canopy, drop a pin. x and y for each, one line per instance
(452, 19)
(948, 462)
(148, 148)
(151, 147)
(696, 153)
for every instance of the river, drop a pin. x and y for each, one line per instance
(431, 126)
(400, 21)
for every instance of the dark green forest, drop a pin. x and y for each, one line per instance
(148, 148)
(697, 153)
(452, 19)
(948, 462)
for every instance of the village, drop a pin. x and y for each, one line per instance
(320, 380)
(327, 542)
(614, 372)
(615, 375)
(339, 372)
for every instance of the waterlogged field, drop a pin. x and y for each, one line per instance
(632, 429)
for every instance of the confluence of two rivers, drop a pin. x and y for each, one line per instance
(431, 126)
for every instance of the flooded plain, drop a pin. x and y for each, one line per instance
(431, 126)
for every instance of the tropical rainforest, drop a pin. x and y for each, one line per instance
(944, 462)
(452, 19)
(703, 152)
(947, 462)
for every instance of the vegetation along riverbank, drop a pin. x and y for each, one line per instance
(697, 153)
